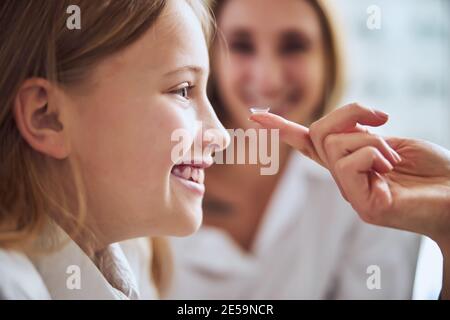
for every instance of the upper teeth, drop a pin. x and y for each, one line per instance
(189, 172)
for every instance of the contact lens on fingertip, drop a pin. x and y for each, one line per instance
(259, 109)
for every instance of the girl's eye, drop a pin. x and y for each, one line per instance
(184, 91)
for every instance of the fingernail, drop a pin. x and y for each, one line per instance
(390, 166)
(381, 114)
(396, 156)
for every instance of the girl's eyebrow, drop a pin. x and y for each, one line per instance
(189, 68)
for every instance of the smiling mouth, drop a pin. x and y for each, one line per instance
(189, 173)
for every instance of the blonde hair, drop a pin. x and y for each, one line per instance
(336, 69)
(36, 43)
(335, 66)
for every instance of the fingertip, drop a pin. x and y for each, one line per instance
(381, 114)
(373, 121)
(252, 117)
(381, 117)
(255, 119)
(380, 163)
(266, 119)
(397, 157)
(388, 167)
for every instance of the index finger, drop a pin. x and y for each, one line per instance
(291, 133)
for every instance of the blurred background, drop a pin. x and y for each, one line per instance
(402, 66)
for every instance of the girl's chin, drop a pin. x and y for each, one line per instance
(186, 214)
(189, 223)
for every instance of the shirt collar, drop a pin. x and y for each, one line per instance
(61, 269)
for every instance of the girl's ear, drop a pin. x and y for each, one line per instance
(38, 118)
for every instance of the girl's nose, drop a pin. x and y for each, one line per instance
(215, 136)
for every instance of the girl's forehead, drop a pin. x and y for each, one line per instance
(176, 38)
(178, 32)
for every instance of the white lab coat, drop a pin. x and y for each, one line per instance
(50, 276)
(311, 245)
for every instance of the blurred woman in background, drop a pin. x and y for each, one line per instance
(290, 235)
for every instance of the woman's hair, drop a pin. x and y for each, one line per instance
(35, 42)
(334, 61)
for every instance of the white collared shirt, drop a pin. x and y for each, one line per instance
(50, 276)
(311, 245)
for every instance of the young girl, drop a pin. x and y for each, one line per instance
(289, 235)
(86, 117)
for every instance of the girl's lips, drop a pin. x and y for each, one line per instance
(191, 175)
(191, 185)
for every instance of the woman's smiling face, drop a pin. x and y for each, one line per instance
(121, 122)
(275, 57)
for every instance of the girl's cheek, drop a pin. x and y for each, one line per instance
(180, 125)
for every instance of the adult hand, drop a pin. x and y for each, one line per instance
(393, 182)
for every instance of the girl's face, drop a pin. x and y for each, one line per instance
(121, 122)
(275, 58)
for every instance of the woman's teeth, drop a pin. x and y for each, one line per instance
(189, 173)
